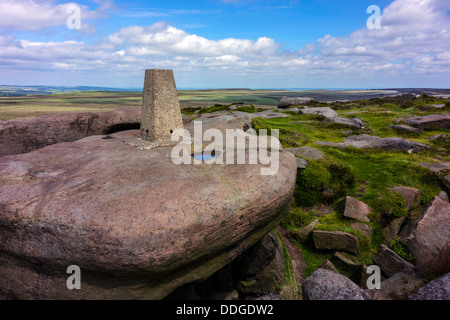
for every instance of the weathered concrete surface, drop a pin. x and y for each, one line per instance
(136, 224)
(161, 112)
(25, 135)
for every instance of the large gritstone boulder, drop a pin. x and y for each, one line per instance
(136, 224)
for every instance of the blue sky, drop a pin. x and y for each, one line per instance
(227, 43)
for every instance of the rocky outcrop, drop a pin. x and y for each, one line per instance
(301, 163)
(412, 196)
(439, 168)
(345, 264)
(444, 196)
(355, 209)
(393, 228)
(437, 289)
(320, 111)
(309, 153)
(335, 240)
(356, 123)
(238, 119)
(286, 102)
(405, 129)
(136, 224)
(364, 141)
(427, 238)
(257, 272)
(261, 268)
(441, 120)
(446, 180)
(399, 286)
(303, 233)
(389, 262)
(25, 135)
(331, 116)
(324, 284)
(362, 227)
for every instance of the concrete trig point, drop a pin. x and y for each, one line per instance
(161, 112)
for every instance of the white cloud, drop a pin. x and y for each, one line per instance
(414, 41)
(33, 15)
(162, 38)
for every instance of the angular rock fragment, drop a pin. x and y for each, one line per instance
(355, 209)
(335, 240)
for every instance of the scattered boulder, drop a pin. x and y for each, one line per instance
(355, 209)
(269, 114)
(294, 110)
(393, 228)
(286, 102)
(309, 153)
(403, 128)
(324, 284)
(362, 227)
(303, 233)
(301, 163)
(427, 238)
(412, 196)
(399, 286)
(335, 240)
(25, 135)
(356, 123)
(365, 141)
(329, 266)
(331, 116)
(443, 195)
(440, 168)
(446, 180)
(439, 106)
(320, 111)
(345, 264)
(437, 289)
(441, 120)
(389, 262)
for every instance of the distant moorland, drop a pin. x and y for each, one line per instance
(32, 101)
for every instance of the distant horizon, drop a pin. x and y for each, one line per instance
(227, 88)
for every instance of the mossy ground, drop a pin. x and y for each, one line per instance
(365, 174)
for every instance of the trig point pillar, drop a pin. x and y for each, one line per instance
(161, 112)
